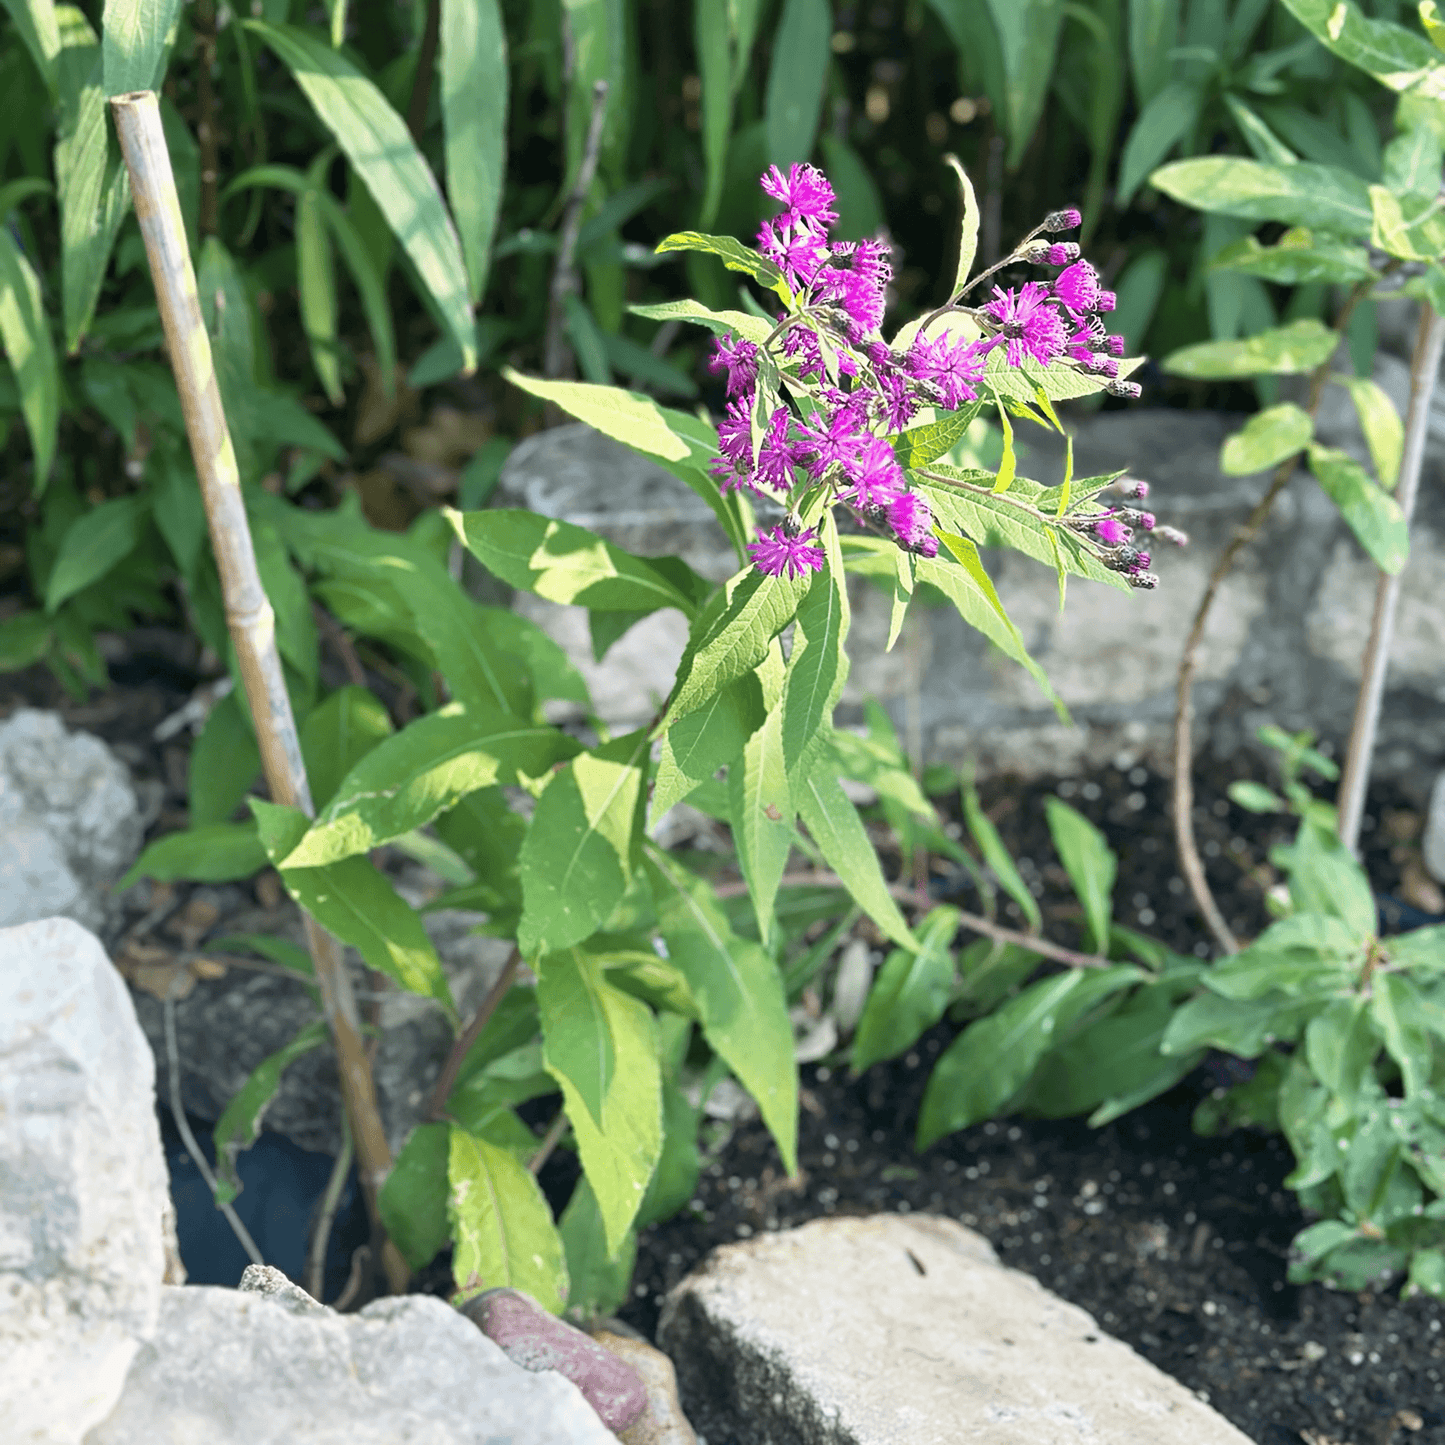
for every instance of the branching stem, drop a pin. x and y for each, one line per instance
(447, 1079)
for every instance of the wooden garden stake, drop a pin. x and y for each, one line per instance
(249, 618)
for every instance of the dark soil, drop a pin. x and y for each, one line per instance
(1176, 1244)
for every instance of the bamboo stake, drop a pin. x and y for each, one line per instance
(249, 618)
(1424, 368)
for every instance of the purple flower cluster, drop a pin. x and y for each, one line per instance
(854, 391)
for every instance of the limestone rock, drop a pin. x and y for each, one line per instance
(69, 821)
(663, 1421)
(238, 1368)
(269, 1282)
(906, 1330)
(83, 1190)
(537, 1340)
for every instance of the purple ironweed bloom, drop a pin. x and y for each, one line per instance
(1083, 343)
(739, 358)
(776, 454)
(954, 367)
(1051, 253)
(1029, 324)
(875, 475)
(1140, 563)
(735, 436)
(1132, 487)
(1107, 301)
(805, 192)
(839, 441)
(897, 403)
(796, 249)
(856, 295)
(787, 552)
(802, 341)
(1114, 345)
(728, 477)
(1065, 220)
(1111, 531)
(1077, 287)
(912, 522)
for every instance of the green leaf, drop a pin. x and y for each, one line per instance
(817, 663)
(474, 77)
(1261, 140)
(732, 636)
(354, 900)
(910, 993)
(1298, 346)
(600, 1282)
(375, 140)
(712, 44)
(676, 1175)
(1325, 878)
(1267, 438)
(697, 745)
(92, 181)
(1381, 424)
(1168, 117)
(217, 853)
(137, 37)
(1256, 798)
(1340, 1046)
(760, 804)
(240, 1124)
(93, 544)
(720, 323)
(566, 563)
(1153, 34)
(733, 254)
(920, 445)
(744, 1012)
(1090, 864)
(991, 1059)
(412, 1201)
(337, 734)
(1396, 57)
(843, 841)
(1395, 1005)
(404, 781)
(224, 762)
(1243, 1027)
(1412, 229)
(577, 858)
(35, 20)
(794, 97)
(501, 1224)
(1372, 514)
(24, 639)
(1028, 37)
(316, 289)
(985, 835)
(600, 1044)
(1303, 194)
(967, 250)
(25, 334)
(1297, 258)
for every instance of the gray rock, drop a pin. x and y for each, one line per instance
(907, 1331)
(233, 1368)
(84, 1196)
(69, 821)
(1433, 844)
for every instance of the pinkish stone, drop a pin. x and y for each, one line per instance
(537, 1340)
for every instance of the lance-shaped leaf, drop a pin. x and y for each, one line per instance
(137, 36)
(843, 841)
(1280, 351)
(700, 743)
(733, 254)
(501, 1224)
(376, 142)
(910, 993)
(920, 445)
(407, 779)
(25, 336)
(214, 853)
(354, 900)
(1372, 514)
(600, 1044)
(737, 986)
(817, 663)
(1381, 424)
(968, 235)
(599, 1280)
(577, 858)
(720, 323)
(1303, 194)
(336, 735)
(1297, 258)
(1090, 864)
(1409, 227)
(316, 290)
(412, 1201)
(568, 564)
(799, 70)
(94, 543)
(986, 836)
(1266, 439)
(1396, 57)
(35, 20)
(240, 1124)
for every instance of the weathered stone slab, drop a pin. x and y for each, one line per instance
(906, 1330)
(84, 1197)
(229, 1367)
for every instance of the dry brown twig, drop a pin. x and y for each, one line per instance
(1190, 863)
(249, 616)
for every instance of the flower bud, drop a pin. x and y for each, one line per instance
(1144, 581)
(1114, 345)
(1132, 487)
(1107, 301)
(1065, 220)
(1172, 534)
(1129, 390)
(1063, 253)
(1138, 519)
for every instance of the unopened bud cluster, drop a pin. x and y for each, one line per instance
(1111, 531)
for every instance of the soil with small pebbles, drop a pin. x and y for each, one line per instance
(1176, 1244)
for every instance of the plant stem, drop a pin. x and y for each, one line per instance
(556, 355)
(555, 1130)
(923, 902)
(1424, 367)
(321, 1235)
(249, 616)
(1190, 863)
(447, 1079)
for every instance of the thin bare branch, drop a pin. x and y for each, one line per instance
(550, 1140)
(1424, 368)
(315, 1279)
(447, 1079)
